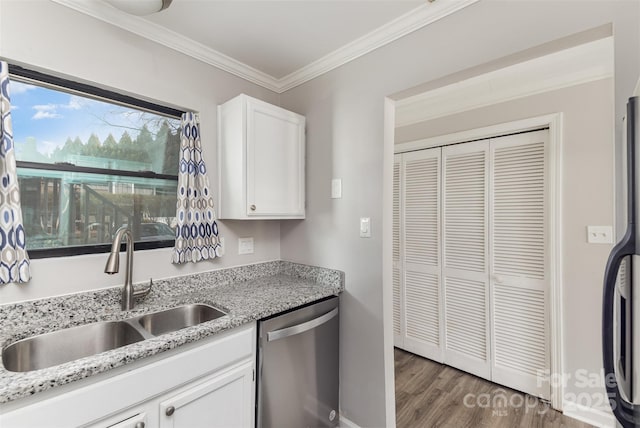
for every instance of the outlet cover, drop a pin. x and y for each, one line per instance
(365, 227)
(600, 234)
(336, 188)
(245, 245)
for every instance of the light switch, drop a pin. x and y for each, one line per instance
(600, 234)
(245, 245)
(336, 188)
(365, 227)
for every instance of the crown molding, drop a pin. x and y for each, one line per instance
(149, 30)
(393, 30)
(399, 27)
(581, 64)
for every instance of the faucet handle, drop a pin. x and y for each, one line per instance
(143, 292)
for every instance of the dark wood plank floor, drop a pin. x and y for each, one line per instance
(432, 395)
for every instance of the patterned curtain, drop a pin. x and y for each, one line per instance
(197, 230)
(14, 261)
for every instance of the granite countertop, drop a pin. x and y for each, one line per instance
(245, 293)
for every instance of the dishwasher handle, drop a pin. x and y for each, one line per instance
(301, 328)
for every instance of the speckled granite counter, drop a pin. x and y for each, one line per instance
(245, 293)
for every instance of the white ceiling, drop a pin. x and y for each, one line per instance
(276, 44)
(278, 37)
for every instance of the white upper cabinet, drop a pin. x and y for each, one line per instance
(260, 161)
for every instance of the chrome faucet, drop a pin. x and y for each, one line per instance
(113, 265)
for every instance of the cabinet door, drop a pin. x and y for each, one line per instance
(397, 271)
(275, 161)
(420, 257)
(225, 400)
(465, 257)
(520, 262)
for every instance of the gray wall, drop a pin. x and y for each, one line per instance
(44, 35)
(345, 113)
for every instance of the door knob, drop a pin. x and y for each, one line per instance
(170, 410)
(252, 207)
(139, 425)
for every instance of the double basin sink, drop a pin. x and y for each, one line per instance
(50, 349)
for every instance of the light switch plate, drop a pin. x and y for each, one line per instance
(336, 188)
(365, 227)
(245, 245)
(600, 234)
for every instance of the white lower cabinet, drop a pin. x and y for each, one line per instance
(223, 400)
(209, 383)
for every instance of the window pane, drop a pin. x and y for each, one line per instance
(62, 209)
(75, 208)
(54, 126)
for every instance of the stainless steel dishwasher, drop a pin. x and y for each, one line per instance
(298, 367)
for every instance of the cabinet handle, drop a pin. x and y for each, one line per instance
(139, 425)
(252, 207)
(301, 328)
(170, 410)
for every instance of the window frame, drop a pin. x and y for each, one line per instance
(29, 76)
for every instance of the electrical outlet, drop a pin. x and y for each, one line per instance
(222, 247)
(245, 245)
(600, 234)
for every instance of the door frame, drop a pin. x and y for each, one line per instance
(554, 123)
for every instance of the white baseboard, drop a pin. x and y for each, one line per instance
(596, 417)
(346, 423)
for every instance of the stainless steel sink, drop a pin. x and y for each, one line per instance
(50, 349)
(178, 318)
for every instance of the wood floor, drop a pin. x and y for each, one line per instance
(431, 395)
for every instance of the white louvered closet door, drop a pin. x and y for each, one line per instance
(420, 227)
(520, 262)
(465, 257)
(397, 272)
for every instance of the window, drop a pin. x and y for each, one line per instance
(90, 161)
